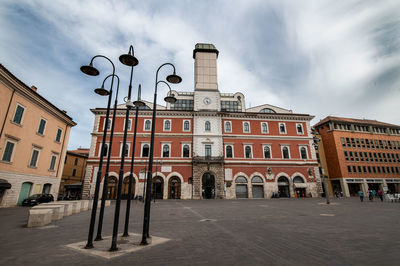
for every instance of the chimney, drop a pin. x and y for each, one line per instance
(205, 67)
(34, 88)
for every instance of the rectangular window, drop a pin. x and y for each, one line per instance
(349, 168)
(364, 169)
(129, 124)
(52, 162)
(58, 136)
(228, 126)
(147, 125)
(19, 111)
(346, 155)
(246, 127)
(343, 142)
(354, 169)
(34, 158)
(186, 125)
(208, 150)
(42, 126)
(167, 125)
(74, 172)
(8, 151)
(359, 169)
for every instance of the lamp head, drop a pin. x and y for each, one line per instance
(129, 104)
(90, 70)
(101, 91)
(170, 99)
(139, 103)
(128, 60)
(174, 78)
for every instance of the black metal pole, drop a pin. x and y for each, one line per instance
(146, 218)
(89, 243)
(105, 184)
(121, 174)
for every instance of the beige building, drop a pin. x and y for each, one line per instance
(33, 141)
(73, 173)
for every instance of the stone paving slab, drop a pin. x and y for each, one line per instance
(125, 245)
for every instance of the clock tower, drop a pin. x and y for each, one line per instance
(208, 172)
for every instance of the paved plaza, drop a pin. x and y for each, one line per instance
(221, 232)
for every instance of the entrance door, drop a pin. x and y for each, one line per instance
(125, 188)
(112, 188)
(158, 187)
(174, 188)
(241, 191)
(24, 193)
(258, 191)
(353, 189)
(283, 187)
(46, 188)
(208, 186)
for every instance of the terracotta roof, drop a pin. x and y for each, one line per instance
(354, 121)
(80, 151)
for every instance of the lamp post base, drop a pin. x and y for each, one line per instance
(89, 246)
(98, 238)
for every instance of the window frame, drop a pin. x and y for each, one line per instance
(183, 125)
(22, 116)
(58, 139)
(52, 165)
(101, 148)
(121, 149)
(251, 151)
(226, 153)
(169, 150)
(302, 129)
(129, 124)
(270, 151)
(305, 147)
(207, 126)
(230, 127)
(205, 150)
(288, 147)
(14, 142)
(34, 148)
(44, 127)
(169, 122)
(284, 125)
(144, 125)
(142, 147)
(244, 128)
(182, 150)
(262, 128)
(109, 124)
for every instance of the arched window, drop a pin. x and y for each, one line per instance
(299, 129)
(165, 151)
(303, 152)
(147, 125)
(228, 127)
(246, 127)
(257, 179)
(186, 126)
(267, 152)
(185, 150)
(167, 125)
(264, 127)
(145, 150)
(125, 151)
(207, 126)
(229, 153)
(241, 179)
(298, 179)
(248, 151)
(282, 128)
(285, 152)
(267, 110)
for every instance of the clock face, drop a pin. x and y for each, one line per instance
(207, 100)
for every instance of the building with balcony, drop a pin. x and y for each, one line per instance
(360, 154)
(209, 145)
(33, 141)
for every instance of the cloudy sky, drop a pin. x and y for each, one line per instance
(318, 57)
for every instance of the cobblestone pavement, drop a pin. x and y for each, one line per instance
(222, 232)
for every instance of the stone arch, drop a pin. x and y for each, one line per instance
(160, 175)
(300, 189)
(257, 174)
(284, 190)
(167, 179)
(282, 174)
(299, 174)
(124, 184)
(174, 174)
(241, 174)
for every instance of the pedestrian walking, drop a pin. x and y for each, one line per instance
(361, 195)
(380, 194)
(370, 195)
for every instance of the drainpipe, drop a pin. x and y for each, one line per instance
(8, 109)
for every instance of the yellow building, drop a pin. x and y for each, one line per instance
(33, 141)
(73, 173)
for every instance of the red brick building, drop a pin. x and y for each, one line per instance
(360, 154)
(208, 145)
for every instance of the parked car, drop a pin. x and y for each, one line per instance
(36, 199)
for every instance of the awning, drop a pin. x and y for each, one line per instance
(4, 184)
(73, 185)
(300, 185)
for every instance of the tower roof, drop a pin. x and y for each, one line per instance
(205, 48)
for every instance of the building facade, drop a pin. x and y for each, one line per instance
(33, 141)
(209, 145)
(360, 154)
(73, 173)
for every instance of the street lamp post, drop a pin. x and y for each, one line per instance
(321, 171)
(171, 99)
(129, 60)
(92, 71)
(128, 203)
